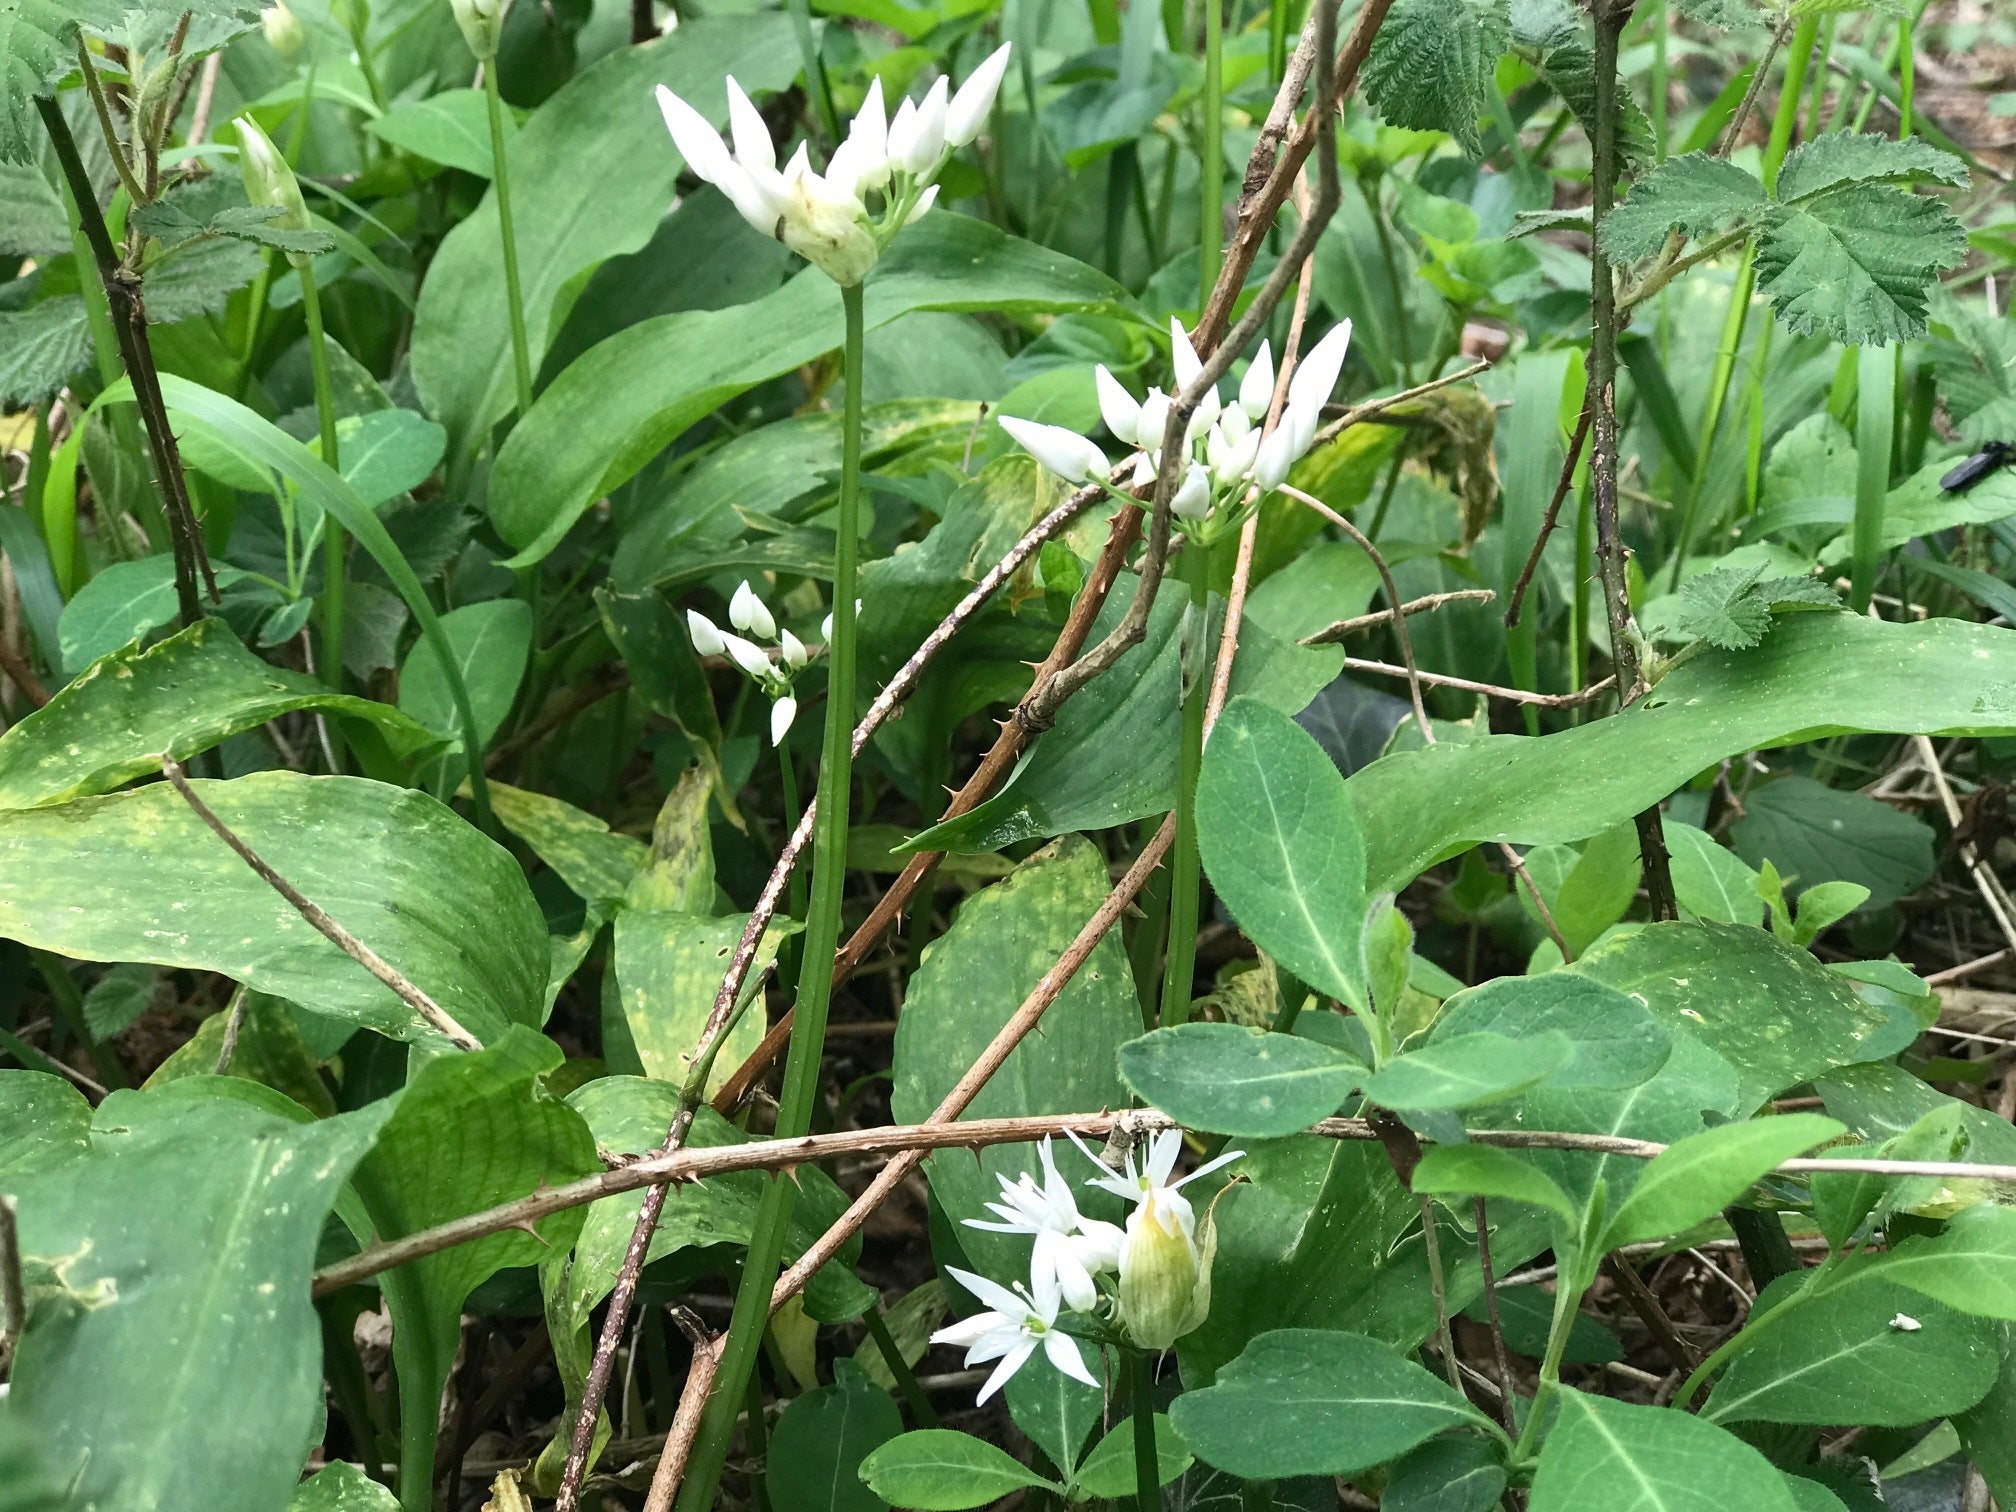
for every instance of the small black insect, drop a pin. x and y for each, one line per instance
(1978, 466)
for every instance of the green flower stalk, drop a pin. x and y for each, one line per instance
(270, 181)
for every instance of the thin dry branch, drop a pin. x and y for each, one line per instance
(437, 1017)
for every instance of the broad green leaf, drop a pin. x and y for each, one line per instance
(1695, 194)
(1467, 1071)
(144, 879)
(1431, 65)
(1971, 1266)
(1225, 1079)
(1280, 839)
(1710, 882)
(1454, 1473)
(1774, 1013)
(1816, 675)
(1113, 753)
(44, 1121)
(567, 219)
(470, 1131)
(341, 1488)
(451, 128)
(972, 978)
(1696, 1177)
(1857, 264)
(1474, 1170)
(1821, 834)
(819, 1442)
(626, 399)
(180, 696)
(938, 1470)
(120, 604)
(178, 1253)
(1837, 158)
(1863, 1350)
(1624, 1458)
(669, 967)
(598, 863)
(1109, 1469)
(1301, 1401)
(1615, 1042)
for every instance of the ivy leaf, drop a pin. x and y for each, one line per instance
(1730, 608)
(1840, 158)
(1695, 194)
(1432, 64)
(1858, 264)
(1553, 36)
(40, 347)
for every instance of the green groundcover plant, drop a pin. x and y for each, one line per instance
(1007, 753)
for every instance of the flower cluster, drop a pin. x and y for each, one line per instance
(774, 674)
(1160, 1264)
(1231, 463)
(824, 217)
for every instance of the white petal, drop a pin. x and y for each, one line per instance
(970, 107)
(1256, 389)
(1316, 375)
(707, 637)
(753, 148)
(782, 712)
(1061, 1350)
(1183, 355)
(698, 142)
(1064, 452)
(1014, 1361)
(1119, 410)
(748, 612)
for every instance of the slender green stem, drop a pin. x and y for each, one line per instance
(521, 348)
(921, 1410)
(1180, 975)
(334, 544)
(815, 977)
(1147, 1473)
(1212, 206)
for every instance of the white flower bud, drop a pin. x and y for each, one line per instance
(1192, 500)
(707, 637)
(1064, 452)
(748, 612)
(1256, 389)
(1315, 376)
(1118, 409)
(782, 712)
(284, 33)
(970, 107)
(482, 23)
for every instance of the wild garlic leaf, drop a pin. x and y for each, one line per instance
(1695, 194)
(1840, 158)
(1857, 264)
(1731, 607)
(1432, 64)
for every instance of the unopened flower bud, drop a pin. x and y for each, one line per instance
(283, 29)
(482, 23)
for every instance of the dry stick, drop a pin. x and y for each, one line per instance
(437, 1017)
(1378, 617)
(1551, 518)
(904, 1141)
(1126, 529)
(1611, 16)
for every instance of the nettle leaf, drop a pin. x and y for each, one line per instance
(1839, 158)
(1432, 61)
(1731, 607)
(1857, 264)
(41, 347)
(1695, 194)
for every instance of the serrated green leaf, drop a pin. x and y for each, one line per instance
(1695, 194)
(1835, 159)
(1857, 264)
(1432, 61)
(41, 347)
